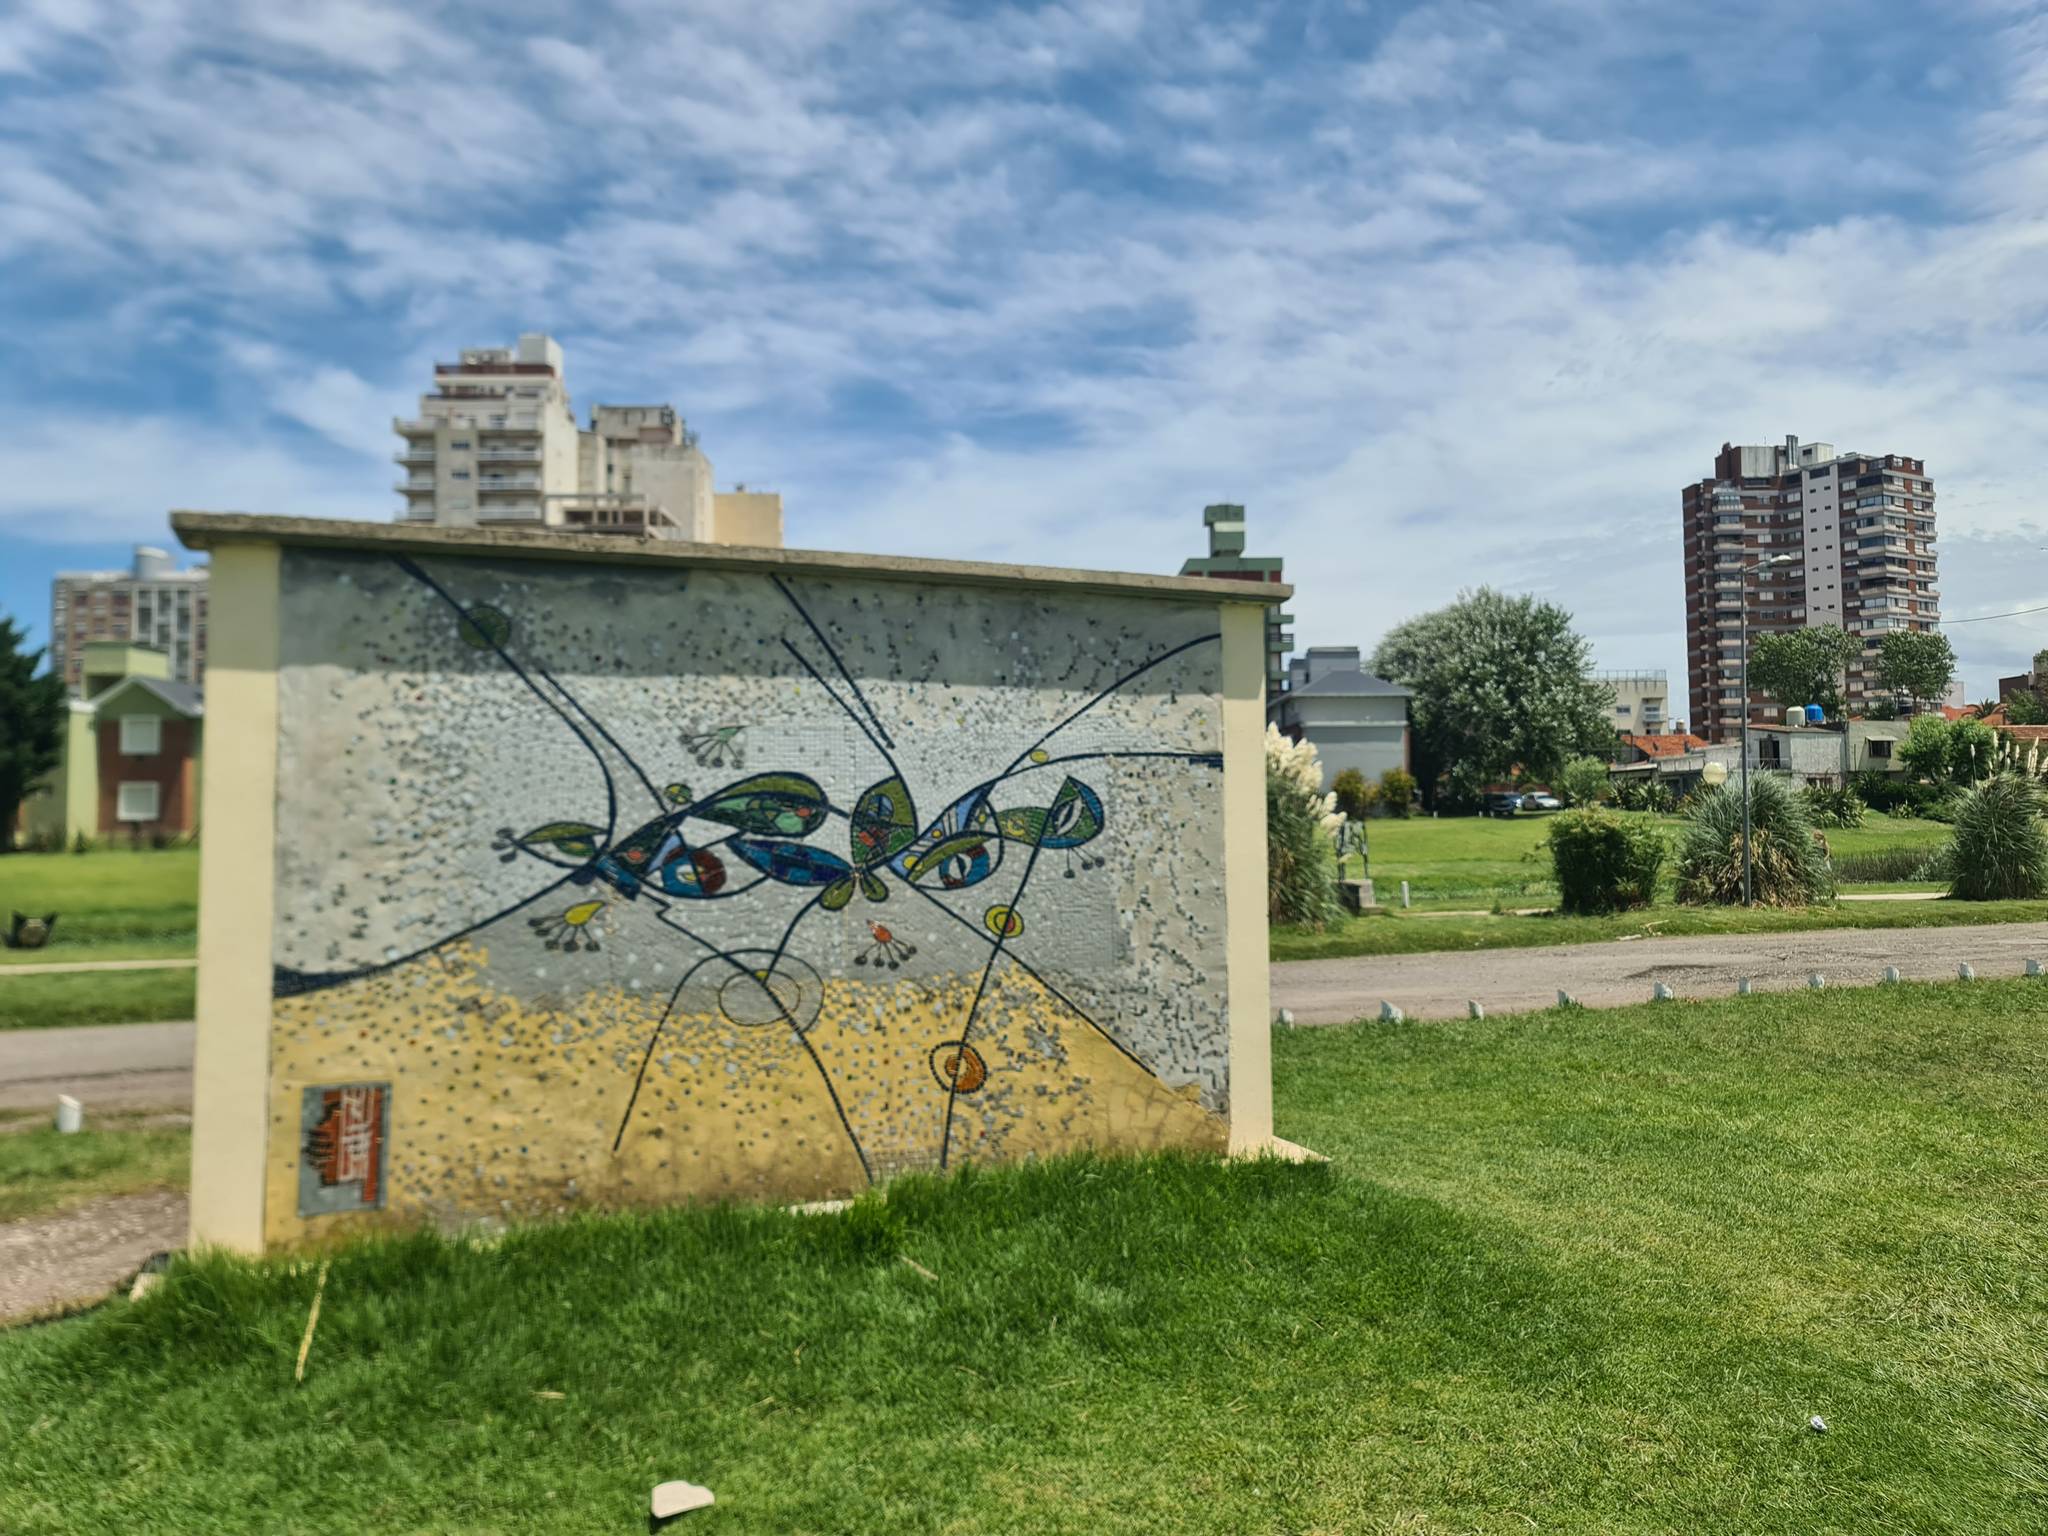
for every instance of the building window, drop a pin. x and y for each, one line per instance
(1880, 748)
(462, 443)
(141, 736)
(138, 802)
(461, 474)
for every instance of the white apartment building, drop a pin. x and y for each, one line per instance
(153, 603)
(496, 445)
(1642, 701)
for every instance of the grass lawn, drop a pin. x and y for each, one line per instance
(42, 1173)
(1475, 861)
(1572, 1271)
(96, 997)
(110, 904)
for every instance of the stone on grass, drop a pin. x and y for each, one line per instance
(1891, 973)
(1389, 1014)
(1817, 981)
(1661, 993)
(2033, 967)
(1285, 1018)
(1475, 1009)
(1565, 999)
(1817, 1424)
(1965, 973)
(672, 1499)
(1742, 987)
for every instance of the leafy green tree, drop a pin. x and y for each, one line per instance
(2023, 706)
(31, 724)
(1355, 793)
(1948, 751)
(1802, 666)
(1397, 792)
(1916, 663)
(1583, 781)
(1500, 683)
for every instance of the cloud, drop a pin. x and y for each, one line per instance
(1445, 293)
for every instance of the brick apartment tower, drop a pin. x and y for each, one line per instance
(1860, 529)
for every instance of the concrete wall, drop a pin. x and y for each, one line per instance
(618, 879)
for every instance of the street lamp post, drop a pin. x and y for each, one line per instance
(1748, 571)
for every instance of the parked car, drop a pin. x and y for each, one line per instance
(1501, 803)
(1542, 800)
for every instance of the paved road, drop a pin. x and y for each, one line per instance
(1602, 975)
(112, 1065)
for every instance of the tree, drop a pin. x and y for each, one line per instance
(1397, 792)
(1500, 683)
(1802, 666)
(31, 724)
(1355, 793)
(1916, 663)
(2023, 706)
(1948, 751)
(1583, 781)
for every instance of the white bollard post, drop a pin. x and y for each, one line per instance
(1389, 1014)
(1816, 981)
(1742, 987)
(1660, 993)
(1404, 895)
(70, 1115)
(1565, 999)
(1964, 973)
(1285, 1018)
(1891, 974)
(1475, 1010)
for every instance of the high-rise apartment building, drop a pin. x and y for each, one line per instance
(1228, 561)
(1642, 701)
(496, 445)
(1860, 530)
(153, 603)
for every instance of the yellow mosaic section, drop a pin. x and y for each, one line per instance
(507, 1110)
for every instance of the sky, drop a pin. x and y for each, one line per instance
(1445, 293)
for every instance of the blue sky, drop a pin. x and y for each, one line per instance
(1446, 293)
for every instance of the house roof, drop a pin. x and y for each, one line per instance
(1347, 683)
(186, 698)
(1666, 746)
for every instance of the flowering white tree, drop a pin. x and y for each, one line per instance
(1301, 823)
(1298, 764)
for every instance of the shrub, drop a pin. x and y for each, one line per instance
(1604, 862)
(1998, 851)
(80, 843)
(1583, 781)
(1790, 868)
(1397, 791)
(1832, 807)
(1301, 822)
(1356, 794)
(1643, 794)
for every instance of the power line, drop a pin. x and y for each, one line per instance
(1986, 617)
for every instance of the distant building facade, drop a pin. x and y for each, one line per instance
(496, 445)
(152, 603)
(1642, 702)
(1354, 720)
(1227, 559)
(129, 758)
(1859, 529)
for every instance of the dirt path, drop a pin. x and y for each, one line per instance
(114, 1066)
(51, 1263)
(1603, 975)
(44, 968)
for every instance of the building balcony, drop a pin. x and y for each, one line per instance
(523, 453)
(512, 512)
(415, 487)
(524, 421)
(421, 454)
(501, 485)
(413, 426)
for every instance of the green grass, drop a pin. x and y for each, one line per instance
(95, 997)
(1397, 933)
(1579, 1272)
(42, 1172)
(1474, 861)
(108, 901)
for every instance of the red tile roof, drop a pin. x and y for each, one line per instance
(1666, 746)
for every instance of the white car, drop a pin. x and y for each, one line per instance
(1542, 800)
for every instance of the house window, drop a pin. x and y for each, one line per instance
(1769, 754)
(141, 735)
(1879, 747)
(138, 802)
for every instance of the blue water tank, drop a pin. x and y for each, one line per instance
(1815, 714)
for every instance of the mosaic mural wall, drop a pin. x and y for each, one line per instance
(621, 885)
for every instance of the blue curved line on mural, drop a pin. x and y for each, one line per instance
(287, 981)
